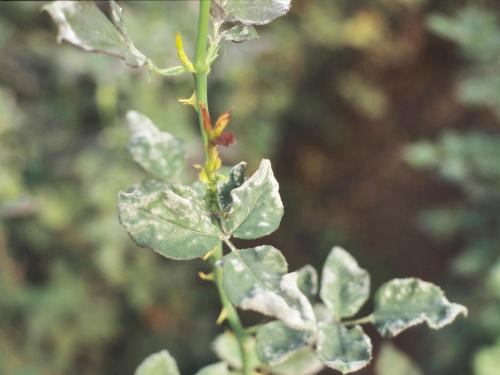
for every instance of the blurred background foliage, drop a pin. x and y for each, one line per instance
(382, 121)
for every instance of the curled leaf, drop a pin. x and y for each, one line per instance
(404, 303)
(82, 24)
(255, 12)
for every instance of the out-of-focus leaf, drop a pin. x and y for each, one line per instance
(302, 362)
(487, 360)
(344, 285)
(343, 349)
(255, 12)
(256, 208)
(168, 218)
(256, 279)
(276, 342)
(219, 368)
(159, 153)
(82, 24)
(392, 361)
(226, 347)
(404, 303)
(161, 363)
(240, 33)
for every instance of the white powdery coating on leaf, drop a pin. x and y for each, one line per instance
(272, 304)
(57, 10)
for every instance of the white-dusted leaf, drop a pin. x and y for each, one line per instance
(307, 280)
(345, 286)
(404, 303)
(219, 368)
(254, 12)
(256, 279)
(391, 361)
(161, 363)
(226, 348)
(159, 153)
(256, 208)
(82, 24)
(240, 33)
(171, 71)
(343, 349)
(168, 218)
(237, 176)
(276, 342)
(302, 362)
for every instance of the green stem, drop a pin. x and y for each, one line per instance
(363, 320)
(200, 66)
(200, 76)
(232, 314)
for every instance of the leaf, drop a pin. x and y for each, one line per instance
(392, 361)
(161, 363)
(219, 368)
(159, 153)
(240, 33)
(276, 342)
(237, 177)
(404, 303)
(344, 285)
(172, 71)
(256, 209)
(169, 218)
(307, 281)
(343, 349)
(226, 347)
(302, 362)
(82, 24)
(255, 12)
(487, 360)
(255, 279)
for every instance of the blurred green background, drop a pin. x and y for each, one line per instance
(381, 117)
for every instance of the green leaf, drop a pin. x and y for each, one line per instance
(345, 286)
(240, 33)
(159, 153)
(256, 209)
(307, 281)
(404, 303)
(276, 342)
(82, 24)
(302, 362)
(236, 178)
(219, 368)
(168, 218)
(226, 347)
(343, 349)
(255, 12)
(487, 360)
(392, 361)
(161, 363)
(256, 279)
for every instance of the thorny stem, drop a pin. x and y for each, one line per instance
(200, 76)
(364, 320)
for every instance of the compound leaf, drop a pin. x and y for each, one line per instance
(159, 153)
(404, 303)
(256, 208)
(343, 349)
(256, 279)
(82, 24)
(345, 286)
(161, 363)
(255, 12)
(168, 218)
(276, 342)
